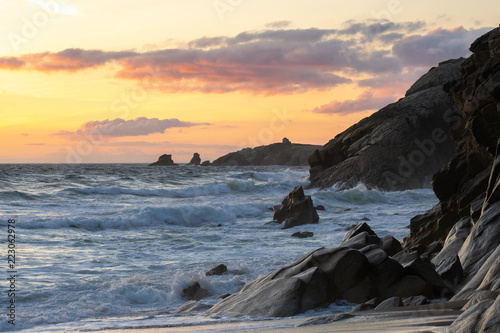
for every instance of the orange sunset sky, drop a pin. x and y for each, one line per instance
(126, 81)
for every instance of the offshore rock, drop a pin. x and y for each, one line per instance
(196, 160)
(163, 160)
(397, 148)
(295, 209)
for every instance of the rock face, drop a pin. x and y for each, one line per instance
(467, 217)
(163, 160)
(399, 147)
(468, 214)
(324, 275)
(295, 209)
(196, 160)
(285, 153)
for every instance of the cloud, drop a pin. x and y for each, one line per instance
(270, 61)
(136, 127)
(364, 102)
(11, 63)
(70, 59)
(279, 24)
(436, 46)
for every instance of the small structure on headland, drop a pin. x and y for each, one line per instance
(163, 160)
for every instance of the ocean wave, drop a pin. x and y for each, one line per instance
(17, 195)
(210, 189)
(359, 195)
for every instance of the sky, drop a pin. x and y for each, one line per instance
(127, 81)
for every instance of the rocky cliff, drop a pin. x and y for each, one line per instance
(467, 217)
(399, 147)
(285, 153)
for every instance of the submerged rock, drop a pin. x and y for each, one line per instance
(195, 292)
(217, 270)
(295, 209)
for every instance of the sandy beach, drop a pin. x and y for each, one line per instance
(435, 317)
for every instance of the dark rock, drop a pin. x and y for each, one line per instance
(303, 234)
(285, 141)
(386, 274)
(320, 207)
(361, 240)
(406, 256)
(424, 270)
(223, 296)
(196, 160)
(206, 163)
(390, 245)
(357, 229)
(296, 209)
(472, 319)
(277, 297)
(192, 307)
(409, 285)
(374, 254)
(217, 270)
(365, 219)
(368, 305)
(486, 278)
(397, 148)
(163, 160)
(390, 303)
(480, 296)
(275, 154)
(415, 300)
(195, 292)
(322, 320)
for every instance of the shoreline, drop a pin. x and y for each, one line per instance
(435, 317)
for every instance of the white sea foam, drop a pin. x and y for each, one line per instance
(114, 246)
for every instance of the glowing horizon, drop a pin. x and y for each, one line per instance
(128, 82)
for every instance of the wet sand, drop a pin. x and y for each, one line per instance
(426, 318)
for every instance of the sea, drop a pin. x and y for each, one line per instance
(112, 246)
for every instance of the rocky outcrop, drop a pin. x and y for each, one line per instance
(469, 208)
(196, 160)
(356, 274)
(399, 147)
(295, 209)
(467, 217)
(163, 160)
(285, 153)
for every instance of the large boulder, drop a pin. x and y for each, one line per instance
(163, 160)
(397, 148)
(295, 209)
(328, 274)
(284, 153)
(196, 160)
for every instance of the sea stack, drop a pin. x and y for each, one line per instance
(196, 160)
(163, 160)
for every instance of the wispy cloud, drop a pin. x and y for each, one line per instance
(135, 127)
(365, 102)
